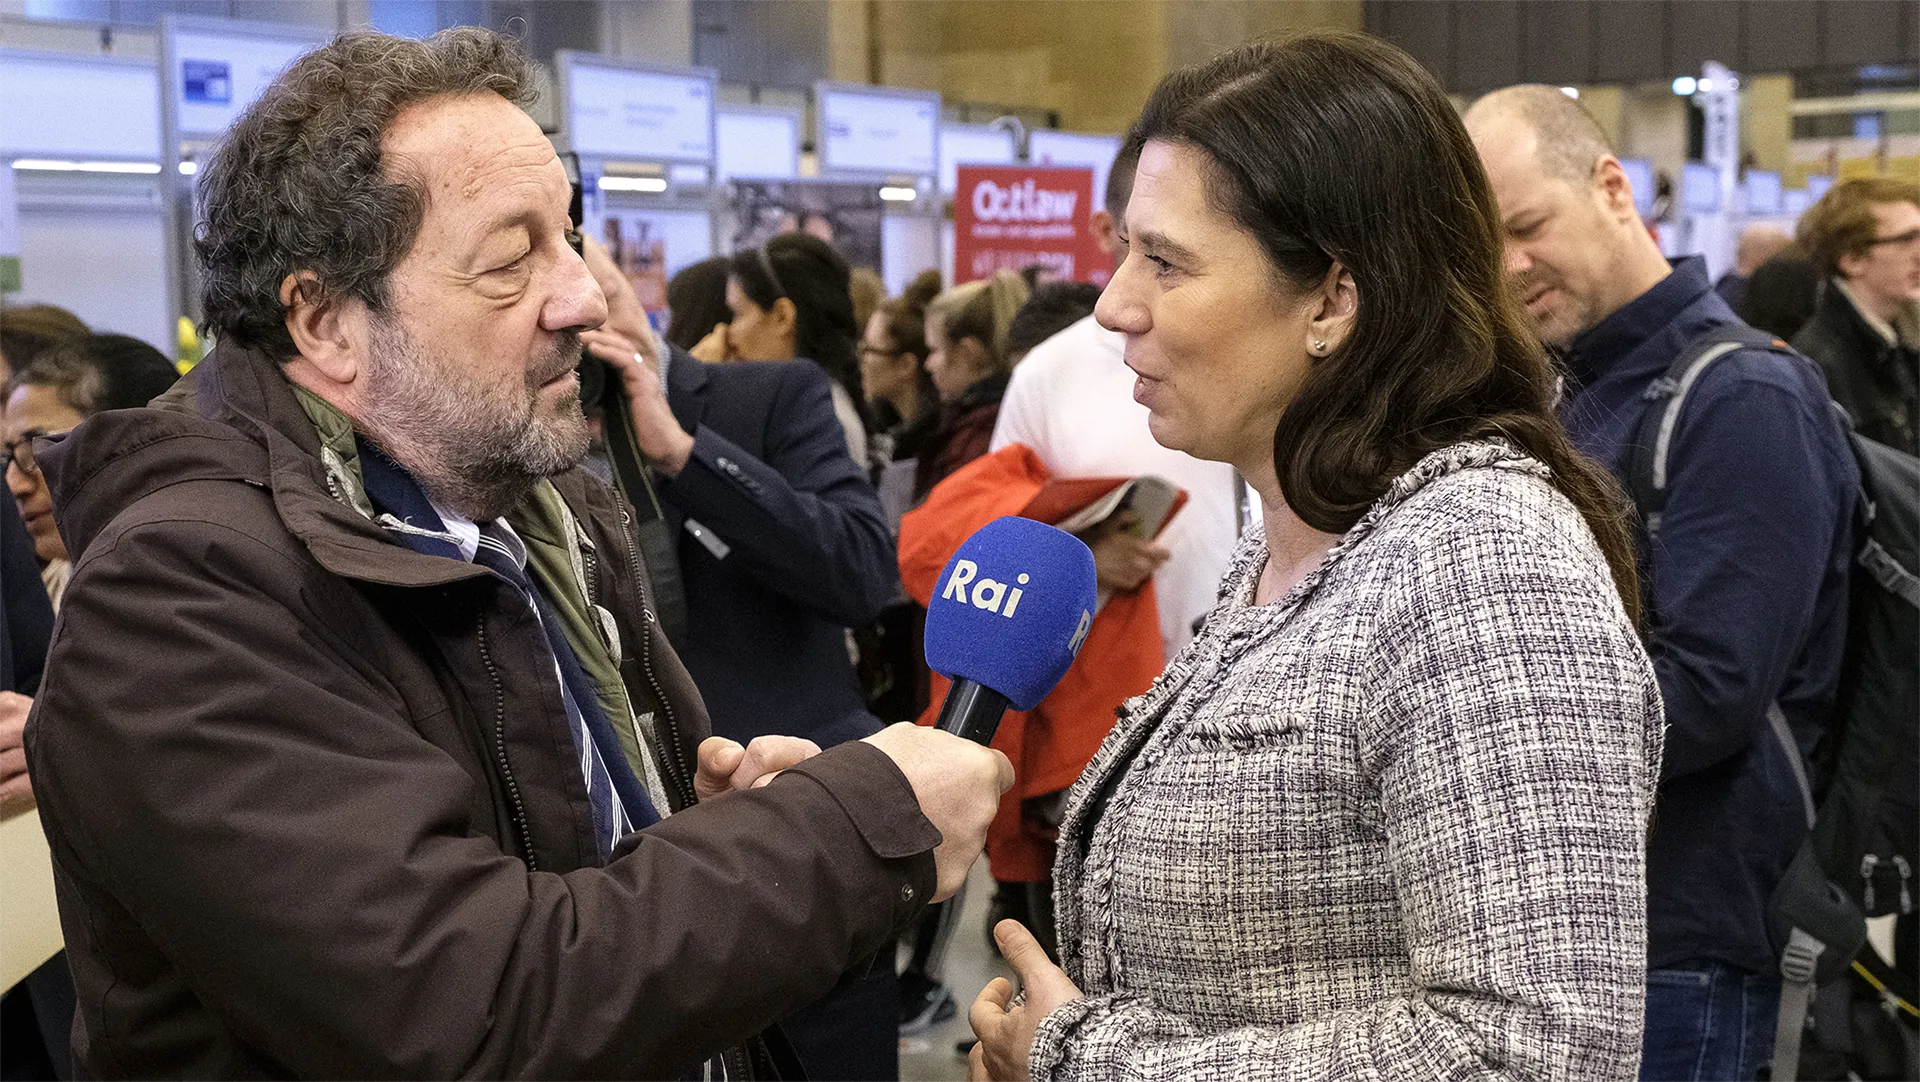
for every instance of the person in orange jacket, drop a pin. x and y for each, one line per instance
(1051, 744)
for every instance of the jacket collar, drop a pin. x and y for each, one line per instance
(1880, 328)
(1602, 348)
(236, 417)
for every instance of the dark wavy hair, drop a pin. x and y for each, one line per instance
(99, 372)
(1338, 147)
(807, 271)
(298, 183)
(696, 301)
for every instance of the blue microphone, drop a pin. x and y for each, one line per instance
(1008, 615)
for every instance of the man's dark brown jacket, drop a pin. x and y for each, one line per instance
(315, 811)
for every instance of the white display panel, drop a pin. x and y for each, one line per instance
(1794, 202)
(753, 143)
(864, 131)
(107, 267)
(1639, 173)
(967, 144)
(637, 114)
(1046, 146)
(1763, 193)
(78, 108)
(1700, 188)
(908, 245)
(1818, 185)
(214, 76)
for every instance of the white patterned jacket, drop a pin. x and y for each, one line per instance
(1389, 827)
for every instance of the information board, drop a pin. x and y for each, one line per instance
(1700, 188)
(757, 143)
(1015, 216)
(213, 74)
(1046, 146)
(1763, 193)
(972, 144)
(71, 107)
(873, 132)
(627, 112)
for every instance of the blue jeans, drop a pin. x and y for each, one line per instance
(1707, 1022)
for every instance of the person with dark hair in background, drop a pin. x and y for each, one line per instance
(1746, 580)
(36, 1015)
(28, 330)
(697, 302)
(1864, 237)
(1780, 297)
(790, 299)
(1383, 817)
(893, 370)
(1050, 308)
(967, 357)
(361, 752)
(51, 394)
(782, 547)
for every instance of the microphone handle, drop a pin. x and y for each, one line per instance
(971, 710)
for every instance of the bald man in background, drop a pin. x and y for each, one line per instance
(1757, 244)
(1745, 585)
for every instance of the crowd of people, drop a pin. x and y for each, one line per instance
(460, 672)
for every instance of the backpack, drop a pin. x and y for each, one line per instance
(1862, 787)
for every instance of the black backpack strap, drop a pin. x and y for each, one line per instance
(1652, 443)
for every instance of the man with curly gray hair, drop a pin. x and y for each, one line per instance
(360, 751)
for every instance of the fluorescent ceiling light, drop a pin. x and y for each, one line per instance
(55, 165)
(1686, 85)
(188, 169)
(1571, 92)
(633, 184)
(899, 195)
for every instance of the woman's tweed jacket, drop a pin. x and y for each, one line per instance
(1389, 827)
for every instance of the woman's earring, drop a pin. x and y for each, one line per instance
(1319, 346)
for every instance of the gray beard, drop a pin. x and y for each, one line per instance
(475, 448)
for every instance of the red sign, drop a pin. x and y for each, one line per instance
(1010, 217)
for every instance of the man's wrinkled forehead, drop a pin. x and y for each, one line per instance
(461, 148)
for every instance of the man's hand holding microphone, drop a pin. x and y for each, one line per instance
(956, 782)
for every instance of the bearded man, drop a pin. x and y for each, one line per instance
(360, 751)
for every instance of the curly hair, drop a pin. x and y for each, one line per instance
(1338, 147)
(298, 184)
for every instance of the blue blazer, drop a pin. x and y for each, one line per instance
(782, 547)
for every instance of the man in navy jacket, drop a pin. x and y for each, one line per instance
(782, 546)
(1747, 587)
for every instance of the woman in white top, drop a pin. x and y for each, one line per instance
(1384, 817)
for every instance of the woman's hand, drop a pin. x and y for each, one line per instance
(666, 445)
(714, 348)
(1006, 1029)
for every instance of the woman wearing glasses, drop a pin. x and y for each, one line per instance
(51, 394)
(1864, 236)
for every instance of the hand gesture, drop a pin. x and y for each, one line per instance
(1006, 1028)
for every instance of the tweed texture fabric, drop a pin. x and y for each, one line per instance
(1391, 826)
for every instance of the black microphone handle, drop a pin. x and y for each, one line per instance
(972, 710)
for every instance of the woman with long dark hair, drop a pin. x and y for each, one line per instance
(789, 299)
(1384, 817)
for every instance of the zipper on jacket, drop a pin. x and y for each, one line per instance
(500, 751)
(682, 776)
